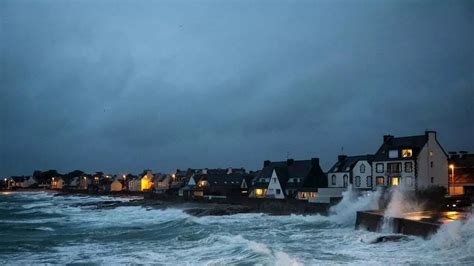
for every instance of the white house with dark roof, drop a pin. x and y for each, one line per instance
(417, 162)
(351, 170)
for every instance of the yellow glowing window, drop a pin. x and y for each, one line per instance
(407, 153)
(259, 192)
(380, 181)
(395, 181)
(312, 194)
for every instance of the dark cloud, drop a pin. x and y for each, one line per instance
(123, 86)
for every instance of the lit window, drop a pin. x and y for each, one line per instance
(380, 181)
(312, 194)
(395, 181)
(407, 153)
(393, 154)
(259, 192)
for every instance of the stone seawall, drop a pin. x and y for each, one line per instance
(373, 221)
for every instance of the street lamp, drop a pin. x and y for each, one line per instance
(452, 177)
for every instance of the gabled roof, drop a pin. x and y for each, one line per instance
(416, 143)
(223, 180)
(348, 163)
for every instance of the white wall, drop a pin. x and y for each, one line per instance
(363, 176)
(439, 171)
(273, 186)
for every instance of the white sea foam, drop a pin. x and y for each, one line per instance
(345, 211)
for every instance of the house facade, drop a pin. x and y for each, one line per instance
(298, 179)
(417, 162)
(354, 171)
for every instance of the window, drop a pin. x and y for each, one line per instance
(274, 180)
(431, 164)
(357, 179)
(259, 192)
(409, 181)
(394, 167)
(395, 181)
(303, 195)
(362, 168)
(393, 154)
(369, 181)
(333, 180)
(432, 180)
(407, 153)
(431, 153)
(408, 167)
(312, 195)
(380, 181)
(379, 167)
(345, 180)
(278, 191)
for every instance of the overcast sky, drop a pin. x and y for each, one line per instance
(120, 86)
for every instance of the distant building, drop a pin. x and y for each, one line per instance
(461, 174)
(116, 185)
(57, 183)
(418, 162)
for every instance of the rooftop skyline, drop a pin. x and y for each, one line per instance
(126, 86)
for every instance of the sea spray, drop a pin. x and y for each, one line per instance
(346, 210)
(399, 204)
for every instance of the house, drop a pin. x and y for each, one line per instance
(187, 190)
(298, 179)
(162, 183)
(20, 182)
(222, 185)
(134, 183)
(461, 174)
(417, 162)
(146, 180)
(351, 170)
(84, 182)
(116, 185)
(57, 183)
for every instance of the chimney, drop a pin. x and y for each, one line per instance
(315, 161)
(289, 162)
(430, 134)
(266, 163)
(387, 138)
(341, 158)
(462, 154)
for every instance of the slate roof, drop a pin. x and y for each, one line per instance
(349, 162)
(224, 180)
(415, 143)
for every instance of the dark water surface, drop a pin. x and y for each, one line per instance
(36, 227)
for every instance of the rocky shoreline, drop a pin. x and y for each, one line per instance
(196, 207)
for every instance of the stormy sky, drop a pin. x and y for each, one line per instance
(121, 86)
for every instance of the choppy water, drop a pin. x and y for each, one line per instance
(40, 228)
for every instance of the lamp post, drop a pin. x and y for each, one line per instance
(452, 177)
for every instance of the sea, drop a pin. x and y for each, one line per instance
(40, 228)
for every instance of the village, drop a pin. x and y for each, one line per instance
(419, 163)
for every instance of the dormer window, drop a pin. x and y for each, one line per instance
(362, 168)
(407, 153)
(393, 154)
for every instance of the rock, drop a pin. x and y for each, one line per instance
(389, 238)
